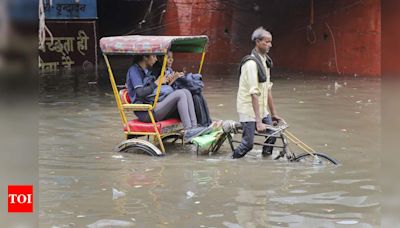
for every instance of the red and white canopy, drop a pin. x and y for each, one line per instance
(137, 44)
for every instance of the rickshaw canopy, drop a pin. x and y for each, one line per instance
(158, 45)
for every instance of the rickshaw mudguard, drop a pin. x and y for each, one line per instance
(132, 143)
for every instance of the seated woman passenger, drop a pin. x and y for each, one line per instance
(139, 87)
(191, 82)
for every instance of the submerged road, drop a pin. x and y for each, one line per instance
(80, 125)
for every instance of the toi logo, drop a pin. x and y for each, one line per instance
(20, 198)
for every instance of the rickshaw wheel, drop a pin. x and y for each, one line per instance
(307, 158)
(138, 146)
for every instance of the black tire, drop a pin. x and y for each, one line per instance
(323, 157)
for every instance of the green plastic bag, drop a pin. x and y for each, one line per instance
(204, 142)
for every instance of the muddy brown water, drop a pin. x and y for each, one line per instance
(80, 125)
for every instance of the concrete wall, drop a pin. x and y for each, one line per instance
(349, 28)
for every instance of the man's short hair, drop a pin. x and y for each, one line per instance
(259, 34)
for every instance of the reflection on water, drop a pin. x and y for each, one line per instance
(80, 125)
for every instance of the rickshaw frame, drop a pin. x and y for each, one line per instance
(110, 48)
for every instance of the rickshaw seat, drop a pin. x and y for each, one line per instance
(164, 126)
(125, 99)
(126, 102)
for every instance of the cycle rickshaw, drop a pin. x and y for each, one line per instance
(170, 130)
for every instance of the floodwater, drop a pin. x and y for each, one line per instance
(80, 125)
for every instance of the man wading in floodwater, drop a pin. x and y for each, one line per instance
(254, 96)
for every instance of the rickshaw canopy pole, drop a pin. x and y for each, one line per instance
(202, 62)
(115, 91)
(160, 81)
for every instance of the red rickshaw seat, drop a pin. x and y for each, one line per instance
(123, 94)
(164, 126)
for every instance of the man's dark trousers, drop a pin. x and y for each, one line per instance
(249, 128)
